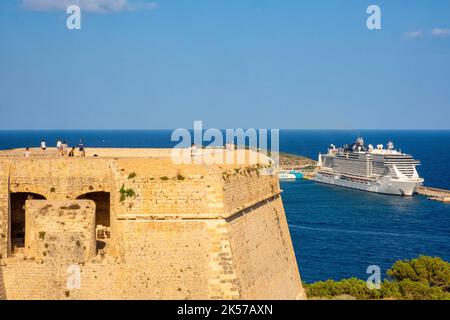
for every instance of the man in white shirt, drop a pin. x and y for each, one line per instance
(59, 147)
(27, 152)
(64, 147)
(43, 145)
(193, 150)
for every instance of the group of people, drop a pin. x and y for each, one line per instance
(62, 147)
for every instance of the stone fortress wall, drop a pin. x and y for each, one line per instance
(53, 227)
(2, 286)
(131, 224)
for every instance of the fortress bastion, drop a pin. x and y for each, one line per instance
(132, 224)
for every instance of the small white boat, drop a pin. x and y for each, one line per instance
(289, 175)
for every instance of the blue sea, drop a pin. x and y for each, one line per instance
(337, 233)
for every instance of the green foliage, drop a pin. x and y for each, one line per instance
(132, 175)
(431, 271)
(390, 290)
(164, 178)
(126, 193)
(424, 278)
(413, 290)
(42, 235)
(226, 176)
(352, 287)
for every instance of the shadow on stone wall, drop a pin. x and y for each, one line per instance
(2, 286)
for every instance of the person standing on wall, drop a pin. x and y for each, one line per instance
(59, 147)
(193, 150)
(64, 148)
(43, 145)
(81, 149)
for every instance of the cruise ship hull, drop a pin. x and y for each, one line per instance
(385, 185)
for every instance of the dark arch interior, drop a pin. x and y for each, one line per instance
(18, 216)
(102, 212)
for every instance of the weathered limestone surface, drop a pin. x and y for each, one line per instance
(4, 208)
(53, 227)
(2, 286)
(262, 248)
(174, 231)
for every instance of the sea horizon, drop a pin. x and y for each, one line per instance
(245, 128)
(118, 162)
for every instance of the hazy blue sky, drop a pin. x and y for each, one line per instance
(231, 63)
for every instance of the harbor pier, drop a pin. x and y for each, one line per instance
(434, 193)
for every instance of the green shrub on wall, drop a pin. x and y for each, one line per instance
(126, 193)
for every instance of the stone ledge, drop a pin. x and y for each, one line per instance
(200, 216)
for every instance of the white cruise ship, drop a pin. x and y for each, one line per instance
(371, 169)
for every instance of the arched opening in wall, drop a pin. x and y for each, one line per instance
(17, 233)
(102, 216)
